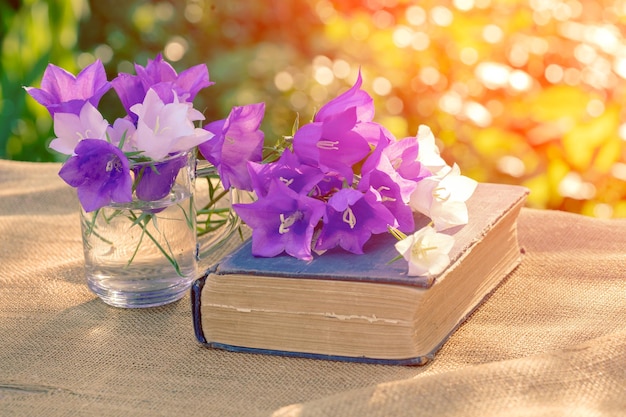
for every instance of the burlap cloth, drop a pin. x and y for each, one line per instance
(550, 341)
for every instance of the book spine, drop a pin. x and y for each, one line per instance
(196, 304)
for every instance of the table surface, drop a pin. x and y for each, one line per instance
(551, 340)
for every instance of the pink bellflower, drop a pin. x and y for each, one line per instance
(166, 128)
(71, 128)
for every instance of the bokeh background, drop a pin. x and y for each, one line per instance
(524, 92)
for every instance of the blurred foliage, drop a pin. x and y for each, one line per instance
(32, 33)
(517, 91)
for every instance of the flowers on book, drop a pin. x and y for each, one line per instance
(340, 179)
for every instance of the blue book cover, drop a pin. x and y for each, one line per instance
(370, 273)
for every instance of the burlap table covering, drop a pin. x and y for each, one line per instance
(550, 341)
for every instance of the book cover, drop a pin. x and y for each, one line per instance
(360, 308)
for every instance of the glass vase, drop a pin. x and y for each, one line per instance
(145, 253)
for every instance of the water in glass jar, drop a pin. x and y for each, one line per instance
(141, 254)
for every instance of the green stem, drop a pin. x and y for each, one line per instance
(138, 221)
(215, 199)
(91, 227)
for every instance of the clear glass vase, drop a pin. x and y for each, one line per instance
(145, 253)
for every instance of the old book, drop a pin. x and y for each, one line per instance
(359, 308)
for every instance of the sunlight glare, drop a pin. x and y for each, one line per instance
(193, 12)
(595, 107)
(618, 170)
(573, 186)
(415, 15)
(382, 19)
(463, 5)
(468, 56)
(585, 53)
(518, 55)
(381, 86)
(323, 75)
(492, 34)
(341, 68)
(441, 16)
(429, 75)
(402, 36)
(176, 48)
(477, 113)
(283, 81)
(451, 103)
(421, 41)
(554, 73)
(394, 105)
(520, 80)
(511, 165)
(493, 74)
(104, 53)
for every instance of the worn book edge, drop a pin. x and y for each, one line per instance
(196, 293)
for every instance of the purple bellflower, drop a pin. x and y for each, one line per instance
(237, 140)
(282, 221)
(332, 144)
(62, 92)
(160, 123)
(379, 173)
(100, 172)
(154, 181)
(327, 186)
(391, 196)
(299, 177)
(351, 218)
(354, 97)
(161, 77)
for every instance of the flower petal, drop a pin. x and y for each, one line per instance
(155, 181)
(239, 140)
(100, 171)
(61, 91)
(426, 251)
(354, 97)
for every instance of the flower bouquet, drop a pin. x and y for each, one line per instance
(135, 177)
(334, 182)
(342, 178)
